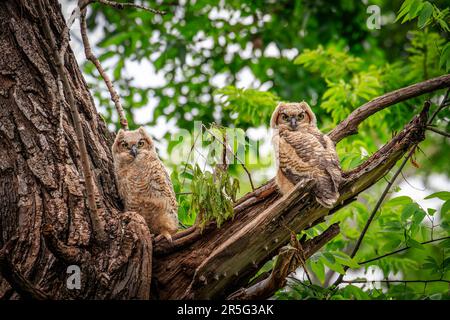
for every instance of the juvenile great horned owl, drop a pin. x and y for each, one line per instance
(143, 182)
(303, 152)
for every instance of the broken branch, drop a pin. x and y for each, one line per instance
(284, 265)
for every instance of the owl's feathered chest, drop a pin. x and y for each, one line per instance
(142, 177)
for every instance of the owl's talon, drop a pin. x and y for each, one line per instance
(168, 237)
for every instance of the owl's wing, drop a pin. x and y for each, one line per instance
(310, 155)
(170, 193)
(307, 148)
(297, 156)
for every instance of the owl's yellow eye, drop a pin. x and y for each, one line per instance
(141, 143)
(301, 116)
(124, 144)
(285, 117)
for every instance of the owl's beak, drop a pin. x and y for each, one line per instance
(133, 151)
(293, 123)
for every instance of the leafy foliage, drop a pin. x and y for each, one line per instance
(294, 50)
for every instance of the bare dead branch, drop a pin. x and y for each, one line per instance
(66, 32)
(284, 265)
(14, 277)
(91, 57)
(98, 229)
(350, 125)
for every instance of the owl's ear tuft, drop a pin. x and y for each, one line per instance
(275, 114)
(142, 131)
(120, 133)
(311, 115)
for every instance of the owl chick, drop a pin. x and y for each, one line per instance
(143, 182)
(303, 152)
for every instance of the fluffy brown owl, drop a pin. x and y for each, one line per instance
(303, 152)
(143, 182)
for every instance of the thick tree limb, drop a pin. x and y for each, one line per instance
(350, 125)
(228, 257)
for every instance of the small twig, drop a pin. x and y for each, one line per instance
(189, 155)
(121, 6)
(98, 230)
(234, 155)
(409, 184)
(66, 32)
(400, 250)
(395, 281)
(183, 193)
(442, 133)
(441, 106)
(91, 57)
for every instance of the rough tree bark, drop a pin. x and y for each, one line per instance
(44, 218)
(40, 172)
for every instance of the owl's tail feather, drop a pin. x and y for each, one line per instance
(327, 192)
(327, 202)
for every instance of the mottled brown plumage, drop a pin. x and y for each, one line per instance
(143, 182)
(303, 152)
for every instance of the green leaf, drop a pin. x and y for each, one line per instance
(402, 200)
(333, 266)
(425, 14)
(445, 209)
(443, 195)
(408, 211)
(419, 214)
(329, 257)
(414, 244)
(346, 260)
(319, 270)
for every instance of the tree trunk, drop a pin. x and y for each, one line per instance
(44, 217)
(41, 181)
